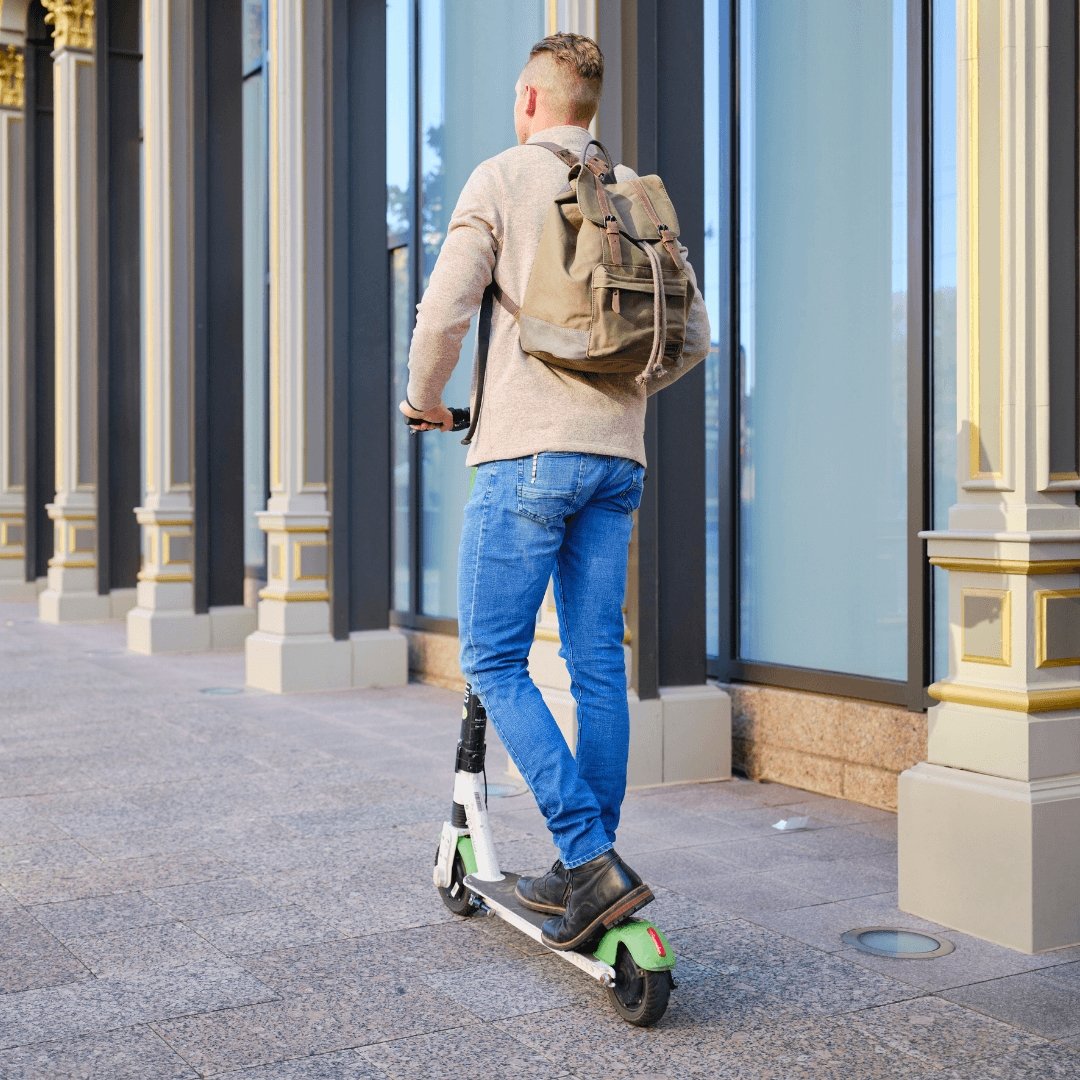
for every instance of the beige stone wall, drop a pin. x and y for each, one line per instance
(837, 746)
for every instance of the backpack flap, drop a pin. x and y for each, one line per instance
(628, 206)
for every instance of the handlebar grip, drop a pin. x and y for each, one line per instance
(460, 418)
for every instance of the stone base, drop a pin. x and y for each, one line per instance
(121, 601)
(230, 626)
(151, 632)
(992, 857)
(17, 589)
(160, 631)
(379, 658)
(64, 607)
(680, 737)
(304, 662)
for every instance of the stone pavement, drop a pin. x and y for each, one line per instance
(208, 884)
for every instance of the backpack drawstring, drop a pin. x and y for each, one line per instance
(654, 368)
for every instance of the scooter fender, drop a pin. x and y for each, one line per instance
(648, 945)
(468, 856)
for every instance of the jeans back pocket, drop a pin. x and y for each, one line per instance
(549, 486)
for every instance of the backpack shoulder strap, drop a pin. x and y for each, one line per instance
(565, 156)
(492, 294)
(483, 340)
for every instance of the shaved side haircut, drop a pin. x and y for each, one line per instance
(570, 67)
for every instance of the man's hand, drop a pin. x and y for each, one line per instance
(438, 417)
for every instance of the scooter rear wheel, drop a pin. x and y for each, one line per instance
(640, 997)
(460, 900)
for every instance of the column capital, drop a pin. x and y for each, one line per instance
(72, 23)
(11, 77)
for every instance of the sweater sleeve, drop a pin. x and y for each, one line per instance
(462, 272)
(698, 336)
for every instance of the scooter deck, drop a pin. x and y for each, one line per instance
(499, 897)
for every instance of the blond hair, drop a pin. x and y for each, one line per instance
(570, 67)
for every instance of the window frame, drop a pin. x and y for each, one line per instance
(728, 666)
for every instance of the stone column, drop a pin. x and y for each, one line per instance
(293, 649)
(164, 618)
(71, 593)
(989, 823)
(12, 331)
(679, 732)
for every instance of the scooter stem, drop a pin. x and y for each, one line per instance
(470, 798)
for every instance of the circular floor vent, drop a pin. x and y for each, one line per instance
(896, 943)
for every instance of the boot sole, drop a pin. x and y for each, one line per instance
(533, 905)
(617, 913)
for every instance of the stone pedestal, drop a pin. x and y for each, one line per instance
(72, 592)
(293, 648)
(989, 823)
(13, 584)
(682, 735)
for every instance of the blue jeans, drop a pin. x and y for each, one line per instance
(565, 516)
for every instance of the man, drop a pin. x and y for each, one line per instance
(561, 463)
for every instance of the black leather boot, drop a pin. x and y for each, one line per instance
(602, 893)
(545, 893)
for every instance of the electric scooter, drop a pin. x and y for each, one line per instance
(634, 960)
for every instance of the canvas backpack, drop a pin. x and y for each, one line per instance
(608, 291)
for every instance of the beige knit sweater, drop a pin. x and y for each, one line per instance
(528, 406)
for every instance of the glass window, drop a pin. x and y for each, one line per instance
(470, 55)
(256, 299)
(716, 204)
(944, 303)
(399, 220)
(822, 351)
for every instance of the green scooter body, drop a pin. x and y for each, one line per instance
(637, 936)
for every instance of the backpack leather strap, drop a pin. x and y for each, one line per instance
(666, 236)
(564, 155)
(483, 341)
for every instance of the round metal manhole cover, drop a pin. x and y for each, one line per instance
(221, 691)
(896, 943)
(497, 790)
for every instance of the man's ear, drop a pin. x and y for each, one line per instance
(530, 100)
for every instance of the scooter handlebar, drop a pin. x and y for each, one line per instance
(460, 417)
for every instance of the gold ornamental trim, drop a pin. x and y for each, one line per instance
(144, 575)
(12, 68)
(72, 23)
(1007, 566)
(1022, 701)
(12, 555)
(294, 597)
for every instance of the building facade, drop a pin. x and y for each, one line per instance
(856, 566)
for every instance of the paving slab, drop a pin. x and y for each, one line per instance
(31, 957)
(942, 1033)
(129, 1054)
(256, 931)
(308, 1024)
(343, 1065)
(240, 886)
(99, 914)
(1029, 1002)
(158, 946)
(450, 1055)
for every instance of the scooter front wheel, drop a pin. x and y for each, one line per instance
(640, 997)
(460, 900)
